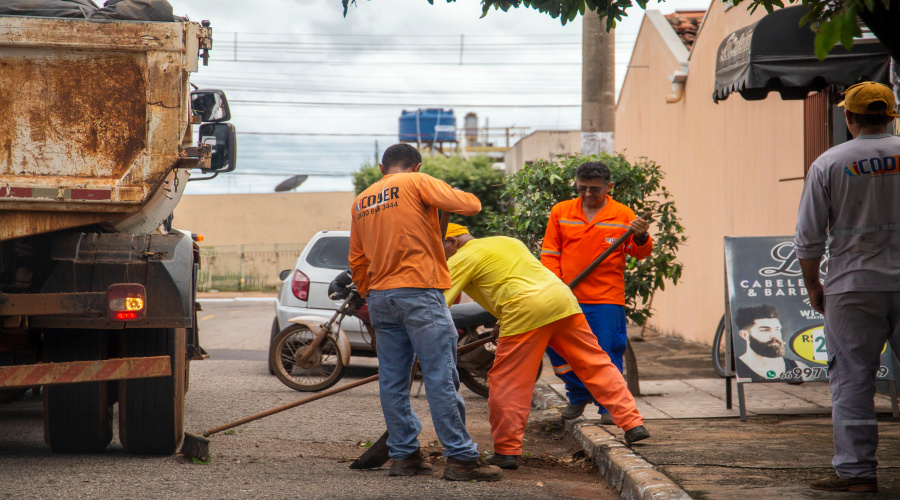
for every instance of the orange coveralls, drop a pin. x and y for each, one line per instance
(536, 309)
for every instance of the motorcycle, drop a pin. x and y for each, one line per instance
(311, 354)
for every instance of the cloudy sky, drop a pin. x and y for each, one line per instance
(312, 92)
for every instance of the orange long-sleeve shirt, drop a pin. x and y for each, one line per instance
(394, 235)
(572, 242)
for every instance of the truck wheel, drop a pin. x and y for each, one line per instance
(151, 410)
(77, 417)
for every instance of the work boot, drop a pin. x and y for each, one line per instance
(510, 462)
(413, 465)
(572, 411)
(474, 470)
(854, 484)
(606, 419)
(636, 434)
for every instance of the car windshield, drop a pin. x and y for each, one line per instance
(330, 253)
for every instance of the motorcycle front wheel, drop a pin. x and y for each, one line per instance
(474, 365)
(320, 371)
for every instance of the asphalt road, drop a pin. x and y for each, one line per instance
(301, 453)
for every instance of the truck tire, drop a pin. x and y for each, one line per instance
(77, 417)
(151, 410)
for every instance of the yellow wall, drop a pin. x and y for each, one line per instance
(542, 144)
(722, 161)
(236, 219)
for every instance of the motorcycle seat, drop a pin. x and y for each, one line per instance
(471, 315)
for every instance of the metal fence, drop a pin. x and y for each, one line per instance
(241, 268)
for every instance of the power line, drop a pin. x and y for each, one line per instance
(287, 174)
(375, 93)
(406, 105)
(418, 46)
(409, 35)
(320, 134)
(392, 63)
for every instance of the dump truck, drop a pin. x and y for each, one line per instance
(97, 290)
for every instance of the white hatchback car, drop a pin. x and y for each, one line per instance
(304, 289)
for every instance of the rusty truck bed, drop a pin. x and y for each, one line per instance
(94, 117)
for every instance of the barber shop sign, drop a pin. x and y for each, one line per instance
(776, 335)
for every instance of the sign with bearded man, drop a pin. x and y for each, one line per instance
(776, 334)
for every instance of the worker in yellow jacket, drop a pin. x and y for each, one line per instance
(535, 310)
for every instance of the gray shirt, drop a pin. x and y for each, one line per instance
(851, 202)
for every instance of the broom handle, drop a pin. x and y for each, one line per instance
(351, 385)
(599, 260)
(216, 430)
(442, 224)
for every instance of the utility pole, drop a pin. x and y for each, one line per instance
(598, 86)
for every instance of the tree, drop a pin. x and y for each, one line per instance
(476, 176)
(837, 20)
(533, 191)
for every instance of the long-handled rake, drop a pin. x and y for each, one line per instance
(197, 445)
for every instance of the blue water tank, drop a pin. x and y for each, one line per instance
(428, 125)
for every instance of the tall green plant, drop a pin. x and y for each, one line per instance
(475, 175)
(532, 192)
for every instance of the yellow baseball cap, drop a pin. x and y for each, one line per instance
(857, 99)
(455, 230)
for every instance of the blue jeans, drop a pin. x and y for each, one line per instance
(607, 322)
(416, 322)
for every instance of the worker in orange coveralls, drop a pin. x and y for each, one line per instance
(535, 309)
(578, 231)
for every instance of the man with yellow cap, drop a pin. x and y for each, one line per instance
(851, 200)
(535, 310)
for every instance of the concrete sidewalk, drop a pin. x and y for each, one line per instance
(702, 450)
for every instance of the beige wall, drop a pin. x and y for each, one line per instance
(544, 144)
(723, 163)
(236, 219)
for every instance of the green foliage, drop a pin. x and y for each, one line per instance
(474, 175)
(534, 190)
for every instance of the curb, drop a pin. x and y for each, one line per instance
(630, 475)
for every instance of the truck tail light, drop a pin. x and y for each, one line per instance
(300, 285)
(126, 302)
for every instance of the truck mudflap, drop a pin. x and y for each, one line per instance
(89, 263)
(71, 372)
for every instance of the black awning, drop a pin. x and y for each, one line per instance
(777, 54)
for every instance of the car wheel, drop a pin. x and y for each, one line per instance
(275, 332)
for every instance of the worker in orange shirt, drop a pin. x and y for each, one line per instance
(398, 263)
(578, 231)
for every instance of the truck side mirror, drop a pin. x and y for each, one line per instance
(211, 105)
(222, 140)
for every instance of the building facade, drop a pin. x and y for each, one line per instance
(734, 168)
